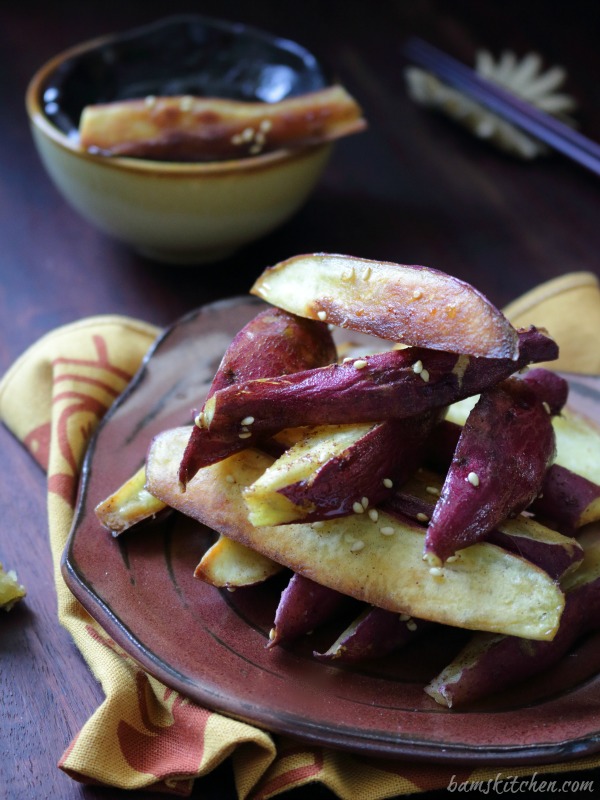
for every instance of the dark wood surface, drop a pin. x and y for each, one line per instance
(414, 188)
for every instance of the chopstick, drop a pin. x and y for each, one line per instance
(507, 105)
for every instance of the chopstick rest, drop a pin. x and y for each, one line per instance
(524, 77)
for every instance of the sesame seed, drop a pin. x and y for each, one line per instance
(347, 360)
(236, 139)
(547, 408)
(150, 100)
(357, 546)
(404, 617)
(318, 524)
(422, 517)
(357, 508)
(348, 275)
(255, 149)
(199, 420)
(473, 478)
(360, 363)
(417, 294)
(417, 367)
(272, 634)
(432, 490)
(322, 315)
(373, 514)
(247, 134)
(452, 559)
(436, 572)
(424, 375)
(186, 103)
(260, 138)
(247, 420)
(387, 530)
(364, 501)
(432, 559)
(244, 435)
(388, 483)
(230, 479)
(231, 588)
(330, 326)
(367, 274)
(411, 625)
(266, 125)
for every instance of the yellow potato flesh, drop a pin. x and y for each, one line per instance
(129, 504)
(229, 564)
(485, 589)
(11, 590)
(266, 506)
(415, 305)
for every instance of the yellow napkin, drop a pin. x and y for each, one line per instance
(144, 734)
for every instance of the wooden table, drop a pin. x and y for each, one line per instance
(414, 188)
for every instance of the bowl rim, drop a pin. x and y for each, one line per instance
(38, 118)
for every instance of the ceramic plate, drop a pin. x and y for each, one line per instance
(210, 644)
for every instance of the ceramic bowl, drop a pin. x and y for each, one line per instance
(176, 212)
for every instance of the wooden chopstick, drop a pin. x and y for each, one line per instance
(505, 104)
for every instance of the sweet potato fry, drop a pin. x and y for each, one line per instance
(130, 504)
(373, 634)
(567, 500)
(11, 591)
(230, 565)
(415, 305)
(338, 470)
(504, 450)
(304, 605)
(553, 552)
(214, 129)
(490, 663)
(273, 343)
(380, 563)
(390, 385)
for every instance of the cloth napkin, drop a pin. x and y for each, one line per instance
(144, 734)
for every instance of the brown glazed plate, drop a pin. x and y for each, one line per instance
(210, 644)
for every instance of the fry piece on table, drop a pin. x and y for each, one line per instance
(11, 591)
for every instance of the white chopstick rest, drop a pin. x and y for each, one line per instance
(524, 77)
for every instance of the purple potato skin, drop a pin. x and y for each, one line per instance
(375, 633)
(550, 388)
(502, 661)
(384, 386)
(390, 450)
(303, 606)
(504, 450)
(272, 343)
(564, 499)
